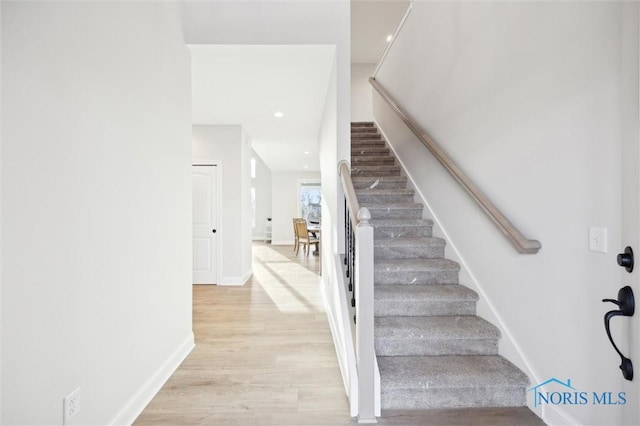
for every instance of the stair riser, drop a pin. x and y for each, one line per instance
(363, 144)
(363, 130)
(356, 124)
(367, 158)
(422, 308)
(435, 347)
(369, 151)
(402, 231)
(368, 136)
(421, 252)
(381, 161)
(371, 172)
(429, 398)
(396, 213)
(415, 278)
(381, 184)
(384, 198)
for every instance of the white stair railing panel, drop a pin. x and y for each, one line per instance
(364, 315)
(359, 257)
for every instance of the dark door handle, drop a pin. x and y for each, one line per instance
(627, 305)
(214, 231)
(626, 259)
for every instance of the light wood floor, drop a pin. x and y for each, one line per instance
(264, 356)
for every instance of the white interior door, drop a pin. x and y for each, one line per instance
(205, 221)
(630, 336)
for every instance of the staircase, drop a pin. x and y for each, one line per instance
(432, 350)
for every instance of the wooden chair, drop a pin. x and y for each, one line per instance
(296, 244)
(304, 238)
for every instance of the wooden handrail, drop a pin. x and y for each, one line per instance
(510, 232)
(349, 191)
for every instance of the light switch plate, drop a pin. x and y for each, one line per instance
(598, 239)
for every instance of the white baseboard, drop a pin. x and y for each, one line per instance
(132, 409)
(236, 280)
(282, 243)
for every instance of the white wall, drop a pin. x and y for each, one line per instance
(526, 98)
(262, 183)
(96, 208)
(361, 92)
(333, 238)
(284, 198)
(245, 213)
(230, 146)
(1, 271)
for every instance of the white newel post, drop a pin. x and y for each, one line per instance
(364, 318)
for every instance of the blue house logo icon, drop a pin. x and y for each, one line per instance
(565, 394)
(540, 397)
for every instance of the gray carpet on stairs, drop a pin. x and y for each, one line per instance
(432, 349)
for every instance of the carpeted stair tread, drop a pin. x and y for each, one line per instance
(372, 182)
(385, 170)
(424, 293)
(364, 129)
(424, 300)
(394, 210)
(367, 143)
(450, 371)
(408, 242)
(416, 265)
(436, 327)
(355, 136)
(401, 228)
(384, 191)
(407, 248)
(368, 159)
(401, 222)
(384, 196)
(370, 151)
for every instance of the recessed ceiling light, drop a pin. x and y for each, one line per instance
(306, 152)
(389, 37)
(306, 167)
(278, 114)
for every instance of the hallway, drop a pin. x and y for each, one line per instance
(264, 352)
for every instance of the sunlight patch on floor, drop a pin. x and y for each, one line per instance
(291, 286)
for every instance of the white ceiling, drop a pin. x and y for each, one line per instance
(371, 23)
(247, 84)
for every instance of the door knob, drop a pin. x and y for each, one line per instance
(214, 231)
(627, 305)
(626, 259)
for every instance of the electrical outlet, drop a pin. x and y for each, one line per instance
(71, 406)
(598, 239)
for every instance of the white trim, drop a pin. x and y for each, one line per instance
(282, 243)
(235, 280)
(137, 403)
(219, 172)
